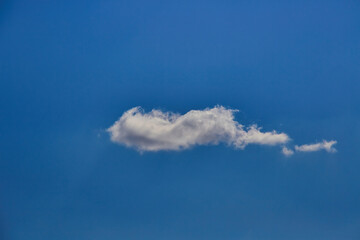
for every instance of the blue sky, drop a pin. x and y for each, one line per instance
(70, 69)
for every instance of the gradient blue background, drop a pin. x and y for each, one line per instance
(69, 69)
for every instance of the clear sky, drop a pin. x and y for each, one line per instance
(70, 69)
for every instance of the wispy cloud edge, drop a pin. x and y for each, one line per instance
(324, 145)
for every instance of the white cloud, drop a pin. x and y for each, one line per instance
(324, 145)
(157, 130)
(287, 152)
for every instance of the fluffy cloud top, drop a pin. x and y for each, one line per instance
(157, 130)
(324, 145)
